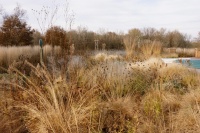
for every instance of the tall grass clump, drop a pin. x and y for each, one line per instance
(187, 119)
(130, 45)
(176, 77)
(151, 48)
(43, 104)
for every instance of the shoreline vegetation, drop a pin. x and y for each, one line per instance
(102, 93)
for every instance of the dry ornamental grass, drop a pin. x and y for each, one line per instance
(103, 95)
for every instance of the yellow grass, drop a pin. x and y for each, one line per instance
(106, 96)
(130, 45)
(151, 48)
(9, 54)
(104, 57)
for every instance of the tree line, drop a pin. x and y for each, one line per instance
(14, 31)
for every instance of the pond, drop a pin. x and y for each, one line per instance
(194, 63)
(189, 62)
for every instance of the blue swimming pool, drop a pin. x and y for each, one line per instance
(195, 63)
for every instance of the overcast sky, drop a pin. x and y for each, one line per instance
(120, 15)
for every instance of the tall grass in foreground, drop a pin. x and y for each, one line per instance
(47, 105)
(102, 96)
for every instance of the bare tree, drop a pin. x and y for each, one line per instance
(46, 17)
(19, 12)
(149, 33)
(177, 39)
(135, 33)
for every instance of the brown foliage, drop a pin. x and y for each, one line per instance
(14, 30)
(56, 36)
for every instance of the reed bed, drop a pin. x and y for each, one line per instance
(15, 53)
(102, 96)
